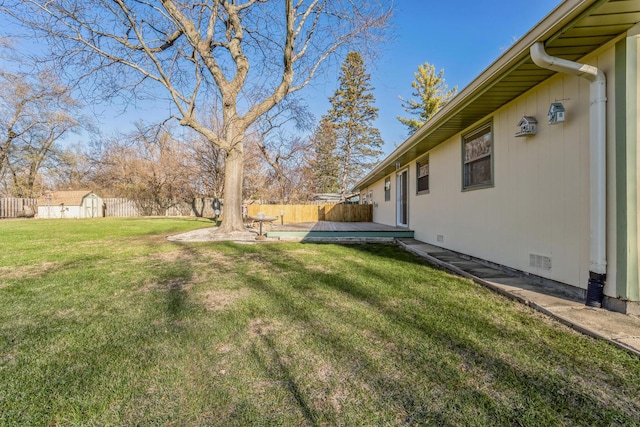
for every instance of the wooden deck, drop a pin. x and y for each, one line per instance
(329, 230)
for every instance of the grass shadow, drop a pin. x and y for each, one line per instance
(463, 346)
(355, 335)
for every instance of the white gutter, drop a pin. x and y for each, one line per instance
(597, 163)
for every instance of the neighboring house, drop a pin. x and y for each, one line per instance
(327, 197)
(535, 164)
(70, 204)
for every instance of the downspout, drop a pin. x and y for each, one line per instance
(597, 164)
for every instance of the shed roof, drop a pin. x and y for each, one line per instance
(68, 198)
(572, 30)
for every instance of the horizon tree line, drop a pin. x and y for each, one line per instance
(284, 168)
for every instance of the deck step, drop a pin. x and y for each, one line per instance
(338, 230)
(340, 234)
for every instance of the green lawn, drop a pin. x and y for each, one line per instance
(104, 322)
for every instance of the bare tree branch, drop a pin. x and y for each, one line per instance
(245, 56)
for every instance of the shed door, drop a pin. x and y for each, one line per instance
(91, 206)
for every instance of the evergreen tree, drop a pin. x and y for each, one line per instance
(429, 95)
(352, 115)
(325, 164)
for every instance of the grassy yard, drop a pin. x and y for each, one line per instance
(104, 322)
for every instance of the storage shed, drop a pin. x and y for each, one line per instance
(70, 204)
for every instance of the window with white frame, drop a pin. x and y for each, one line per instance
(422, 178)
(387, 189)
(477, 153)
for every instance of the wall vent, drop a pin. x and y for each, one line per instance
(541, 262)
(440, 238)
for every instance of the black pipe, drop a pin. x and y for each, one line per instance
(595, 289)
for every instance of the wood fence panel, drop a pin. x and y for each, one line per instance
(180, 209)
(315, 213)
(120, 207)
(202, 207)
(12, 207)
(349, 213)
(292, 213)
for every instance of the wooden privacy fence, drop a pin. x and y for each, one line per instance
(13, 207)
(315, 213)
(120, 207)
(203, 207)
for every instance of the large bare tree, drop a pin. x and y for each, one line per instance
(282, 149)
(148, 166)
(35, 112)
(244, 56)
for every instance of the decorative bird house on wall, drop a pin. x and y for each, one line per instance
(556, 113)
(528, 126)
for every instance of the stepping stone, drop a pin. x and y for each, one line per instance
(486, 273)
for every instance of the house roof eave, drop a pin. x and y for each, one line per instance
(511, 75)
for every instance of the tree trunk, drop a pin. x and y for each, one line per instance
(233, 176)
(345, 174)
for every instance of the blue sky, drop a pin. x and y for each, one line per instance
(464, 37)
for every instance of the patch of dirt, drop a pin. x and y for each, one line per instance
(225, 348)
(7, 359)
(381, 346)
(195, 256)
(162, 257)
(324, 371)
(305, 251)
(253, 257)
(327, 383)
(203, 262)
(330, 390)
(169, 256)
(315, 294)
(219, 299)
(319, 268)
(177, 284)
(221, 261)
(27, 271)
(602, 387)
(259, 265)
(355, 260)
(263, 327)
(89, 244)
(67, 313)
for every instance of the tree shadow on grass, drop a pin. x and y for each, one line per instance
(277, 368)
(453, 361)
(176, 299)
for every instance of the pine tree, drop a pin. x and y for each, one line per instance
(352, 115)
(429, 95)
(325, 164)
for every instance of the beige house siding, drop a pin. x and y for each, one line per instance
(539, 201)
(384, 212)
(627, 163)
(635, 230)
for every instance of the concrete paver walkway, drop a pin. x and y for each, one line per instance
(620, 329)
(209, 235)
